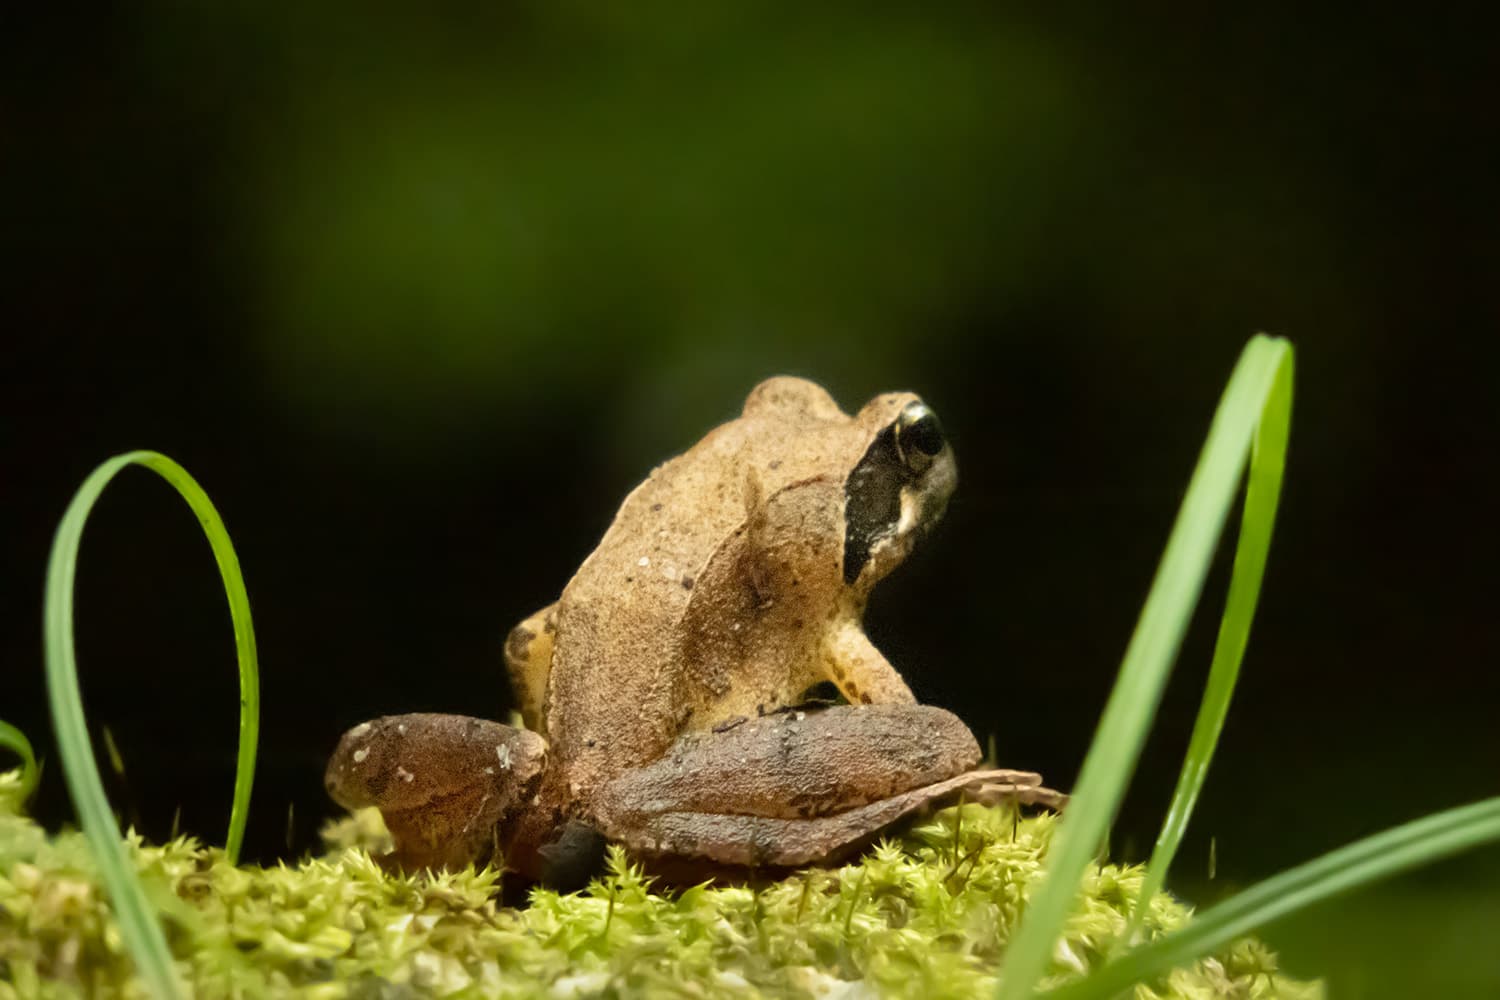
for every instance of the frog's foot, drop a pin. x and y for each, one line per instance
(444, 784)
(801, 788)
(1025, 788)
(528, 660)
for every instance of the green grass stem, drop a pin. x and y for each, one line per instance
(1262, 494)
(15, 741)
(1259, 386)
(1377, 857)
(137, 919)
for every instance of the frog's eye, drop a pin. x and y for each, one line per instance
(919, 436)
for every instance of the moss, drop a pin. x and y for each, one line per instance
(926, 915)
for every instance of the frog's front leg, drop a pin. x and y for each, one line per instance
(861, 673)
(800, 787)
(446, 785)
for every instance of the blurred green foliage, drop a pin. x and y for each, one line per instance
(456, 224)
(452, 218)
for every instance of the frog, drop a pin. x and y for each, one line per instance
(663, 698)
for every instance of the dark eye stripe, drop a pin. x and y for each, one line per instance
(899, 456)
(872, 501)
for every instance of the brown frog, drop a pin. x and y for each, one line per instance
(659, 693)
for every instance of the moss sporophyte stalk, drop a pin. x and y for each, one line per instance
(927, 914)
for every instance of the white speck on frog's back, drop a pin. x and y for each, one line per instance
(503, 753)
(361, 754)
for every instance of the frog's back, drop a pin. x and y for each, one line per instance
(617, 694)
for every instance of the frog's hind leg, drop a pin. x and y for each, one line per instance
(761, 842)
(528, 659)
(801, 787)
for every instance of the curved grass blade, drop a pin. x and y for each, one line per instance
(1148, 658)
(14, 740)
(1262, 493)
(137, 920)
(1385, 854)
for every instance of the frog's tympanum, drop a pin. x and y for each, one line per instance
(663, 693)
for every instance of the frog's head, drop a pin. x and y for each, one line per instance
(898, 488)
(895, 464)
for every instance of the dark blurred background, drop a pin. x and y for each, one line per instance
(418, 297)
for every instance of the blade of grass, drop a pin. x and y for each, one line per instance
(137, 920)
(14, 740)
(1148, 658)
(1262, 494)
(1385, 854)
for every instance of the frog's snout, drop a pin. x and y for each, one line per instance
(343, 778)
